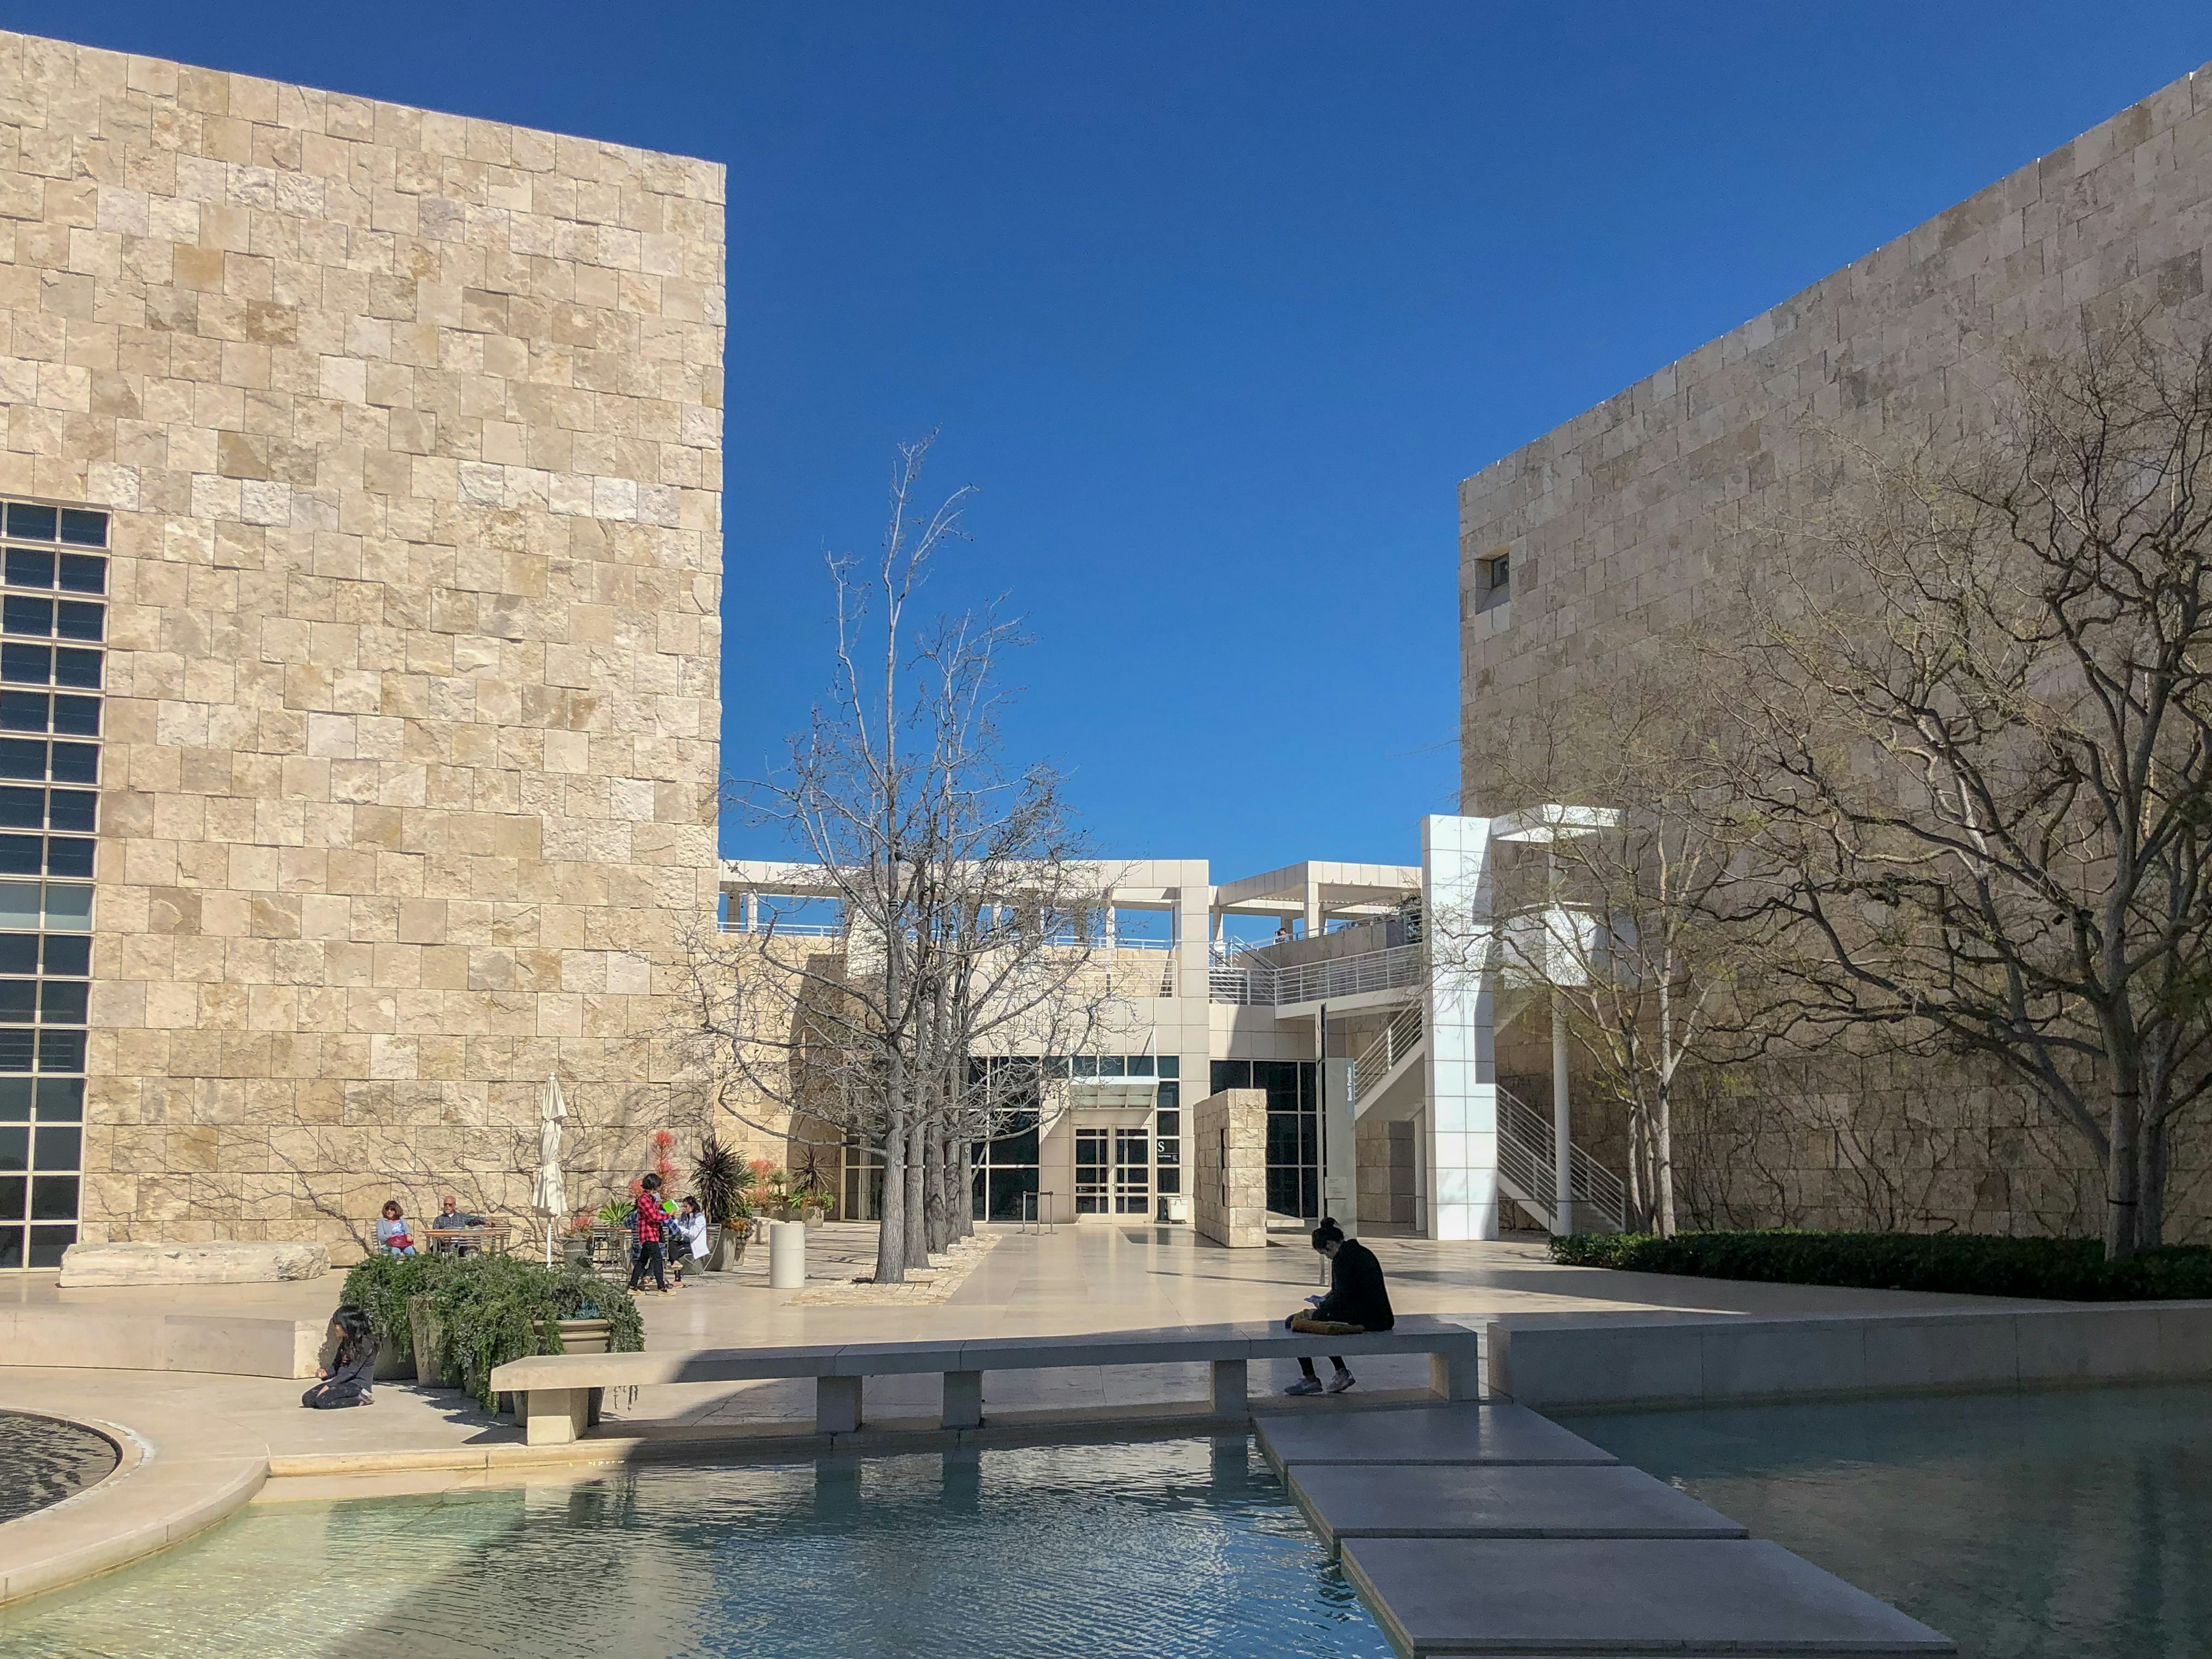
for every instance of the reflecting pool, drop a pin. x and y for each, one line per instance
(2025, 1526)
(1183, 1548)
(43, 1461)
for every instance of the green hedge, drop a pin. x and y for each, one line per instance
(493, 1308)
(1969, 1264)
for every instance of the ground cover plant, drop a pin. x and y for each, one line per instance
(1966, 1264)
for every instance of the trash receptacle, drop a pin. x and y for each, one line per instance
(787, 1254)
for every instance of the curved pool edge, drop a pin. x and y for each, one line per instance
(148, 1502)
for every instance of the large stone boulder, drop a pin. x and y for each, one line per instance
(84, 1266)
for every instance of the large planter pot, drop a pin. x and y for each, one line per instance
(585, 1335)
(576, 1250)
(811, 1215)
(431, 1358)
(726, 1247)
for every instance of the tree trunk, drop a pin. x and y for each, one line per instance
(1662, 1160)
(933, 1197)
(960, 1184)
(2157, 1160)
(890, 1225)
(2124, 1175)
(917, 1225)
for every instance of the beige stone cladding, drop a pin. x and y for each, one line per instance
(1612, 524)
(410, 423)
(1228, 1205)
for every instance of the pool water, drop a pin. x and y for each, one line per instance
(2072, 1525)
(1183, 1548)
(43, 1461)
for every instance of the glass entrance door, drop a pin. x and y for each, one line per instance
(1090, 1188)
(1132, 1183)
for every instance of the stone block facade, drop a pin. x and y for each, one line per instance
(1229, 1199)
(1613, 527)
(409, 427)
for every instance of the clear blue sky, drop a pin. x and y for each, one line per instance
(1215, 303)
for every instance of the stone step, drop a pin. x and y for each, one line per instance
(1424, 1435)
(1343, 1501)
(1515, 1598)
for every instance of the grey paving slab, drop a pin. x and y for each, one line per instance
(1459, 1500)
(1423, 1434)
(1524, 1596)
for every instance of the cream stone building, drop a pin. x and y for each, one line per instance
(1601, 533)
(361, 472)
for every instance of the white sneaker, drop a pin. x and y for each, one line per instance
(1340, 1381)
(1304, 1385)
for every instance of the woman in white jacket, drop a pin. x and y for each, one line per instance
(690, 1226)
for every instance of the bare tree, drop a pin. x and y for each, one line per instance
(1639, 928)
(959, 882)
(1983, 749)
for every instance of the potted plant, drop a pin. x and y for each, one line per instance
(813, 1205)
(721, 1181)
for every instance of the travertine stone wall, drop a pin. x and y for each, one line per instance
(1612, 522)
(412, 423)
(1229, 1202)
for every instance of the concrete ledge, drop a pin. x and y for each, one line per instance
(147, 1503)
(1553, 1363)
(73, 1337)
(86, 1265)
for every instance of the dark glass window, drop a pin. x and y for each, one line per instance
(62, 1002)
(81, 574)
(30, 566)
(75, 619)
(61, 1051)
(17, 1049)
(27, 665)
(23, 808)
(13, 1191)
(75, 666)
(47, 1244)
(81, 527)
(37, 523)
(66, 856)
(19, 1000)
(1170, 1065)
(75, 762)
(69, 955)
(61, 1099)
(15, 1099)
(15, 1151)
(24, 711)
(77, 717)
(53, 1198)
(22, 614)
(11, 1243)
(20, 856)
(20, 757)
(59, 1146)
(19, 953)
(1167, 1123)
(74, 809)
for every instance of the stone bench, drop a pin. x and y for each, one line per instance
(555, 1394)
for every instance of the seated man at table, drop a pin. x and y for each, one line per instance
(452, 1216)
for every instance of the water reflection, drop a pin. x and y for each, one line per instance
(1187, 1547)
(43, 1461)
(2037, 1526)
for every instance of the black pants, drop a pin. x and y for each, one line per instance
(1306, 1365)
(648, 1255)
(334, 1397)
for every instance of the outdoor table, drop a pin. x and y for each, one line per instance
(491, 1238)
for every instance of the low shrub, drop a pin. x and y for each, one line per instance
(492, 1307)
(1966, 1264)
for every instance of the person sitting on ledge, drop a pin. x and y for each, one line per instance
(1356, 1302)
(392, 1235)
(348, 1361)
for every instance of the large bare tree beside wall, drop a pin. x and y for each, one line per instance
(1984, 768)
(962, 887)
(1649, 937)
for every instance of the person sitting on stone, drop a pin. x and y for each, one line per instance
(348, 1362)
(1356, 1302)
(394, 1237)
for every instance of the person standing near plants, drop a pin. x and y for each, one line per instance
(651, 1227)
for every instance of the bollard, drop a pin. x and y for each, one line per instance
(787, 1254)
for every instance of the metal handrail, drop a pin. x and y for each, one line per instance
(1381, 1057)
(1260, 984)
(1524, 1151)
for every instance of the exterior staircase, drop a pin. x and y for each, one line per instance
(1386, 1078)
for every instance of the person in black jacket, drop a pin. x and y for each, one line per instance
(1357, 1301)
(349, 1362)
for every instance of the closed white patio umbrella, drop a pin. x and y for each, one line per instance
(551, 1193)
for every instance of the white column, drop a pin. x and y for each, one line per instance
(1460, 1074)
(1563, 1141)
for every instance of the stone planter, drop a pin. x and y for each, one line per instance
(811, 1214)
(429, 1337)
(576, 1250)
(585, 1335)
(726, 1247)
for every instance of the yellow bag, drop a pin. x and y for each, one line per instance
(1307, 1325)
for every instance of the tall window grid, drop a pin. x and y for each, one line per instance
(1293, 1091)
(53, 625)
